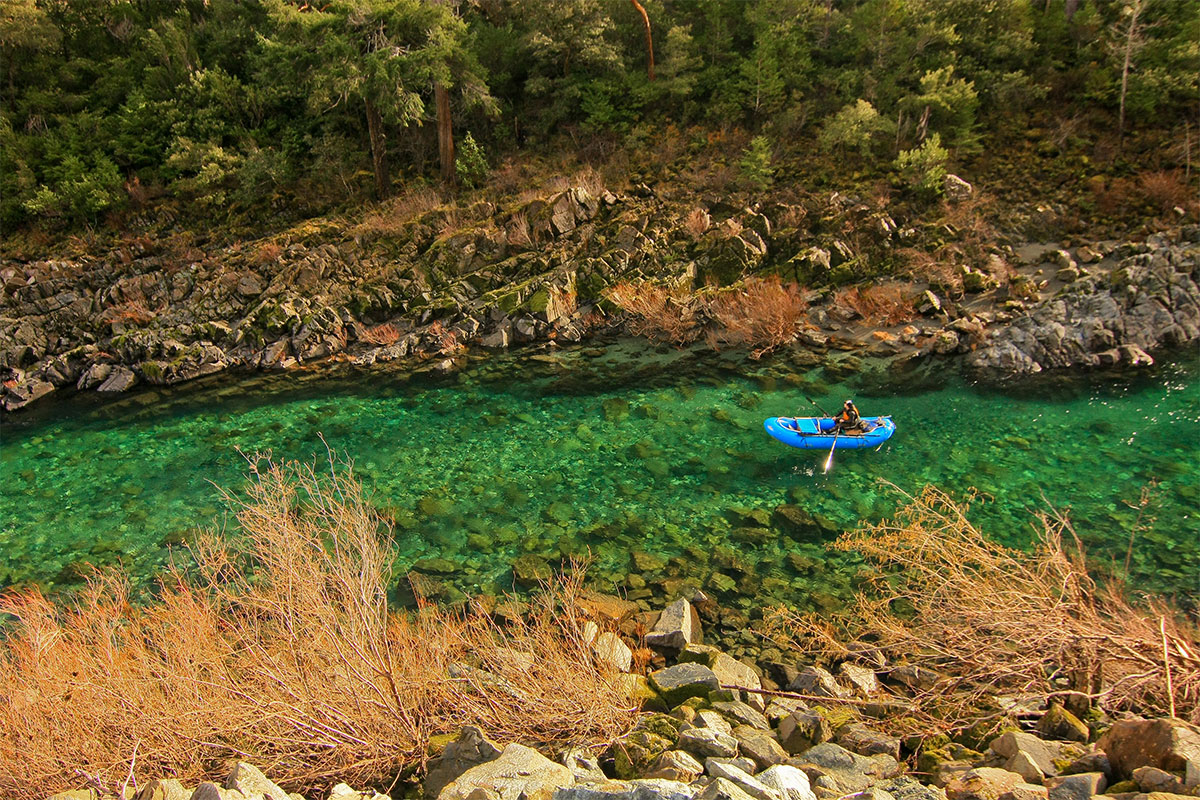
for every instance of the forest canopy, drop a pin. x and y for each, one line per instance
(245, 105)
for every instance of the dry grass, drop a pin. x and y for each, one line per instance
(390, 218)
(562, 301)
(995, 621)
(657, 312)
(696, 223)
(133, 311)
(762, 314)
(268, 253)
(879, 305)
(379, 335)
(279, 648)
(1167, 190)
(519, 233)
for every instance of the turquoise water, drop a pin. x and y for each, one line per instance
(612, 450)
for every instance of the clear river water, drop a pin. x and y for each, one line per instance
(614, 449)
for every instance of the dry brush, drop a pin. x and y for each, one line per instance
(279, 648)
(991, 621)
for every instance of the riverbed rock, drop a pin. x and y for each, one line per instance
(817, 681)
(861, 678)
(519, 773)
(682, 681)
(250, 781)
(613, 652)
(802, 729)
(867, 741)
(1012, 744)
(1153, 779)
(343, 791)
(676, 765)
(470, 749)
(1083, 786)
(641, 789)
(163, 789)
(744, 781)
(708, 742)
(677, 627)
(789, 781)
(1169, 744)
(1150, 300)
(982, 783)
(722, 789)
(759, 746)
(849, 771)
(1058, 723)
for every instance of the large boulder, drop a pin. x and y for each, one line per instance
(982, 783)
(1169, 744)
(850, 772)
(682, 681)
(519, 773)
(250, 781)
(470, 749)
(643, 789)
(789, 781)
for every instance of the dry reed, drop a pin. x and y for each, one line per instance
(991, 621)
(279, 648)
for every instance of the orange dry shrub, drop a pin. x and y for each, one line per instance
(697, 222)
(268, 252)
(657, 312)
(278, 647)
(1166, 190)
(762, 314)
(878, 305)
(987, 620)
(134, 311)
(383, 334)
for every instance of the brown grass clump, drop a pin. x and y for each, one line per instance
(762, 314)
(133, 311)
(878, 305)
(391, 217)
(657, 312)
(279, 648)
(380, 335)
(268, 253)
(697, 222)
(989, 620)
(1167, 190)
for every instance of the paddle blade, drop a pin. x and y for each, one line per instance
(829, 461)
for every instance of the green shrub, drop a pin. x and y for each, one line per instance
(756, 163)
(923, 168)
(470, 164)
(856, 126)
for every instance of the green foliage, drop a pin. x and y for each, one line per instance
(857, 126)
(470, 164)
(923, 169)
(228, 104)
(755, 165)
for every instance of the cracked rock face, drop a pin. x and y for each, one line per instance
(1150, 300)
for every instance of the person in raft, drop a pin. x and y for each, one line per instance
(849, 420)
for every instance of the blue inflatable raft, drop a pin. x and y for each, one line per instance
(816, 433)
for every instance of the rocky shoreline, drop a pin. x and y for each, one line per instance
(153, 313)
(712, 727)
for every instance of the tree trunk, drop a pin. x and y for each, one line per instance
(445, 133)
(383, 181)
(649, 41)
(1131, 41)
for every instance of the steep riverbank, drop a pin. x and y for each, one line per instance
(421, 283)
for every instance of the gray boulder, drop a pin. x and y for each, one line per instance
(790, 782)
(677, 627)
(744, 781)
(708, 742)
(723, 789)
(642, 789)
(519, 773)
(759, 746)
(850, 772)
(682, 681)
(250, 781)
(470, 749)
(1083, 786)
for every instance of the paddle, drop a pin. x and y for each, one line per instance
(814, 402)
(829, 461)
